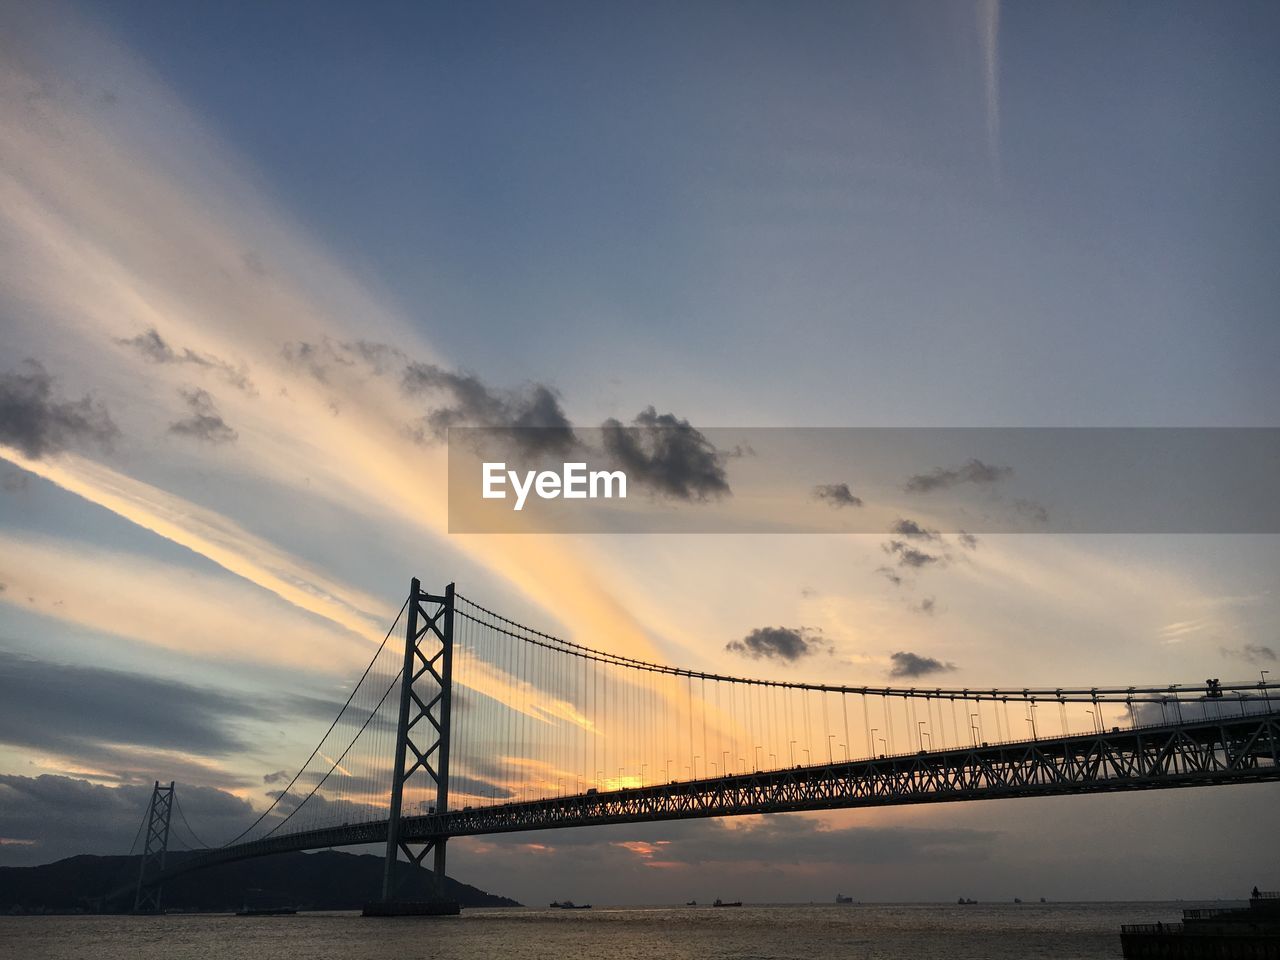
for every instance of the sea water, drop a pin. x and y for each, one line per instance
(1062, 931)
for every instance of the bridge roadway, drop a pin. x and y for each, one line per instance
(1194, 753)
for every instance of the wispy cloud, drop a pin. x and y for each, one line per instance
(153, 347)
(142, 598)
(203, 421)
(216, 537)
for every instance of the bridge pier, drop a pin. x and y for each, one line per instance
(425, 711)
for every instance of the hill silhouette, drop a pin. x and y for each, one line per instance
(325, 880)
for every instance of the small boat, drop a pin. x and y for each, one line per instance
(964, 901)
(722, 903)
(569, 905)
(266, 912)
(692, 903)
(841, 898)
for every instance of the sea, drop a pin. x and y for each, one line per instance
(908, 931)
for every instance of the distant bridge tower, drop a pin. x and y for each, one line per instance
(422, 738)
(147, 898)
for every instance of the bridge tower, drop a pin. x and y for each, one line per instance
(422, 740)
(147, 897)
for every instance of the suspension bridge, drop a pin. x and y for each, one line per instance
(481, 725)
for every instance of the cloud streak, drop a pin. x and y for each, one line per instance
(216, 537)
(989, 42)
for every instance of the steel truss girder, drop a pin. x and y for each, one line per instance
(1245, 749)
(1201, 753)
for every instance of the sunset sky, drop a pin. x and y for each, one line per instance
(230, 231)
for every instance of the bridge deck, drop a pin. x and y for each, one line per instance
(1201, 753)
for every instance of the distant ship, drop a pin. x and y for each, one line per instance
(963, 900)
(692, 903)
(569, 905)
(266, 912)
(841, 898)
(722, 903)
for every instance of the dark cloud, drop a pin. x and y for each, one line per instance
(799, 839)
(1203, 709)
(1031, 510)
(666, 455)
(204, 422)
(837, 495)
(155, 349)
(928, 606)
(380, 357)
(65, 707)
(320, 359)
(770, 841)
(909, 528)
(941, 478)
(907, 664)
(314, 358)
(530, 417)
(968, 540)
(909, 556)
(32, 420)
(113, 718)
(777, 643)
(891, 575)
(1251, 652)
(277, 776)
(58, 816)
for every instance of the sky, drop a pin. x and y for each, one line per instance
(230, 229)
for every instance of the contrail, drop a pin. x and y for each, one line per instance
(335, 764)
(989, 38)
